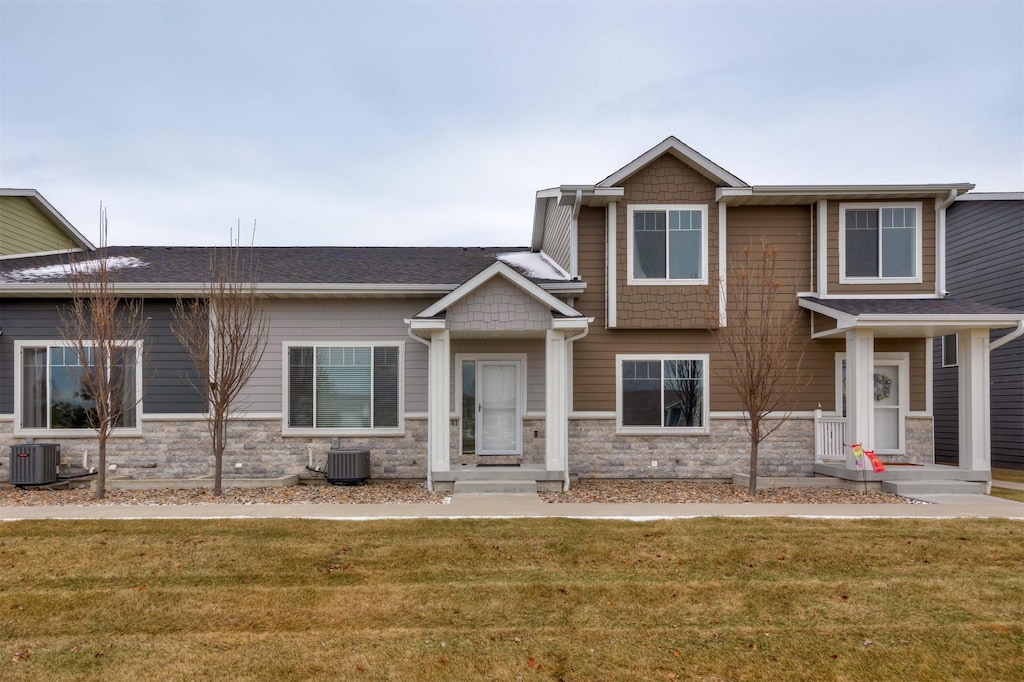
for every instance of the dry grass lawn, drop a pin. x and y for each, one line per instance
(551, 599)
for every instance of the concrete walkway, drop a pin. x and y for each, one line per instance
(530, 505)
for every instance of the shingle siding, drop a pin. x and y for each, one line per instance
(985, 263)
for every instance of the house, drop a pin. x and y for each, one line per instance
(985, 263)
(589, 353)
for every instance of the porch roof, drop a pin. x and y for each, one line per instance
(909, 317)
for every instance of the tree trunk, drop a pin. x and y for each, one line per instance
(752, 488)
(101, 473)
(219, 441)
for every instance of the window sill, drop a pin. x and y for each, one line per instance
(880, 280)
(666, 282)
(343, 433)
(55, 434)
(655, 431)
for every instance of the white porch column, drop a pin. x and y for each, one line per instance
(556, 407)
(860, 408)
(438, 408)
(973, 384)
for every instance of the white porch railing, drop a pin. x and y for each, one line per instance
(829, 437)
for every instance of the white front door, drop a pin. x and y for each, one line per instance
(498, 418)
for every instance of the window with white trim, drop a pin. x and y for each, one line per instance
(666, 393)
(51, 394)
(667, 244)
(343, 387)
(880, 243)
(949, 350)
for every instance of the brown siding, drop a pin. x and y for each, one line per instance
(823, 323)
(666, 180)
(590, 226)
(927, 284)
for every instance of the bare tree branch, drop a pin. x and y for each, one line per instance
(102, 329)
(761, 347)
(225, 334)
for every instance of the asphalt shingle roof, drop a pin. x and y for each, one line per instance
(910, 306)
(280, 265)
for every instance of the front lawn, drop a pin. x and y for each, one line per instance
(546, 599)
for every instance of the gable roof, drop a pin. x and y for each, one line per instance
(922, 317)
(688, 155)
(47, 209)
(500, 269)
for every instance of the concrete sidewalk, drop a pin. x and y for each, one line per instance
(531, 506)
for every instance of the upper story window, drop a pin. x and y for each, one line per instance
(343, 387)
(668, 244)
(662, 394)
(51, 394)
(879, 243)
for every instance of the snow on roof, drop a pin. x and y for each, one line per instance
(535, 265)
(62, 270)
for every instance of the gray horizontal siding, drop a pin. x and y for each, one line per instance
(166, 365)
(557, 233)
(985, 263)
(337, 321)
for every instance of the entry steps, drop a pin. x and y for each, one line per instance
(937, 487)
(486, 486)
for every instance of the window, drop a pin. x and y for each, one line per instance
(663, 393)
(51, 394)
(880, 243)
(343, 387)
(668, 244)
(949, 350)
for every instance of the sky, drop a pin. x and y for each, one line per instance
(434, 123)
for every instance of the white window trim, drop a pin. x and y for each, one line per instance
(286, 368)
(662, 430)
(632, 208)
(19, 430)
(902, 361)
(946, 362)
(918, 246)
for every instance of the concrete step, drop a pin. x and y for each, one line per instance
(939, 487)
(483, 487)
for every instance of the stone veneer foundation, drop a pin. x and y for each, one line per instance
(180, 449)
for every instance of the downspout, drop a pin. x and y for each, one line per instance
(430, 477)
(565, 473)
(1003, 340)
(940, 255)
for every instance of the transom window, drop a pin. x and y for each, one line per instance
(881, 242)
(343, 387)
(667, 244)
(52, 394)
(663, 393)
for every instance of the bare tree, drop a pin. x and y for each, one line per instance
(761, 346)
(101, 331)
(225, 333)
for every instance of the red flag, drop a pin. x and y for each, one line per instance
(876, 463)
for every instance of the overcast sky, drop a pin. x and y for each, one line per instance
(430, 123)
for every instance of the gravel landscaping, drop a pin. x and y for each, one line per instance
(415, 492)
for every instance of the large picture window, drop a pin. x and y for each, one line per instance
(52, 394)
(343, 387)
(663, 393)
(668, 244)
(880, 243)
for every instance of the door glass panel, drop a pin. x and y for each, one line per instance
(498, 388)
(468, 406)
(887, 407)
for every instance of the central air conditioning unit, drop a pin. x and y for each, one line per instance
(348, 467)
(34, 463)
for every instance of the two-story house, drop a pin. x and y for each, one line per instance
(590, 353)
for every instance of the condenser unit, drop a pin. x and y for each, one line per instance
(348, 467)
(34, 463)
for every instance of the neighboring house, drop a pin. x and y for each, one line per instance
(30, 225)
(590, 353)
(985, 263)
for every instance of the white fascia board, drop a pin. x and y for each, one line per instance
(826, 191)
(53, 214)
(425, 323)
(680, 151)
(965, 321)
(196, 288)
(992, 196)
(842, 319)
(571, 322)
(500, 269)
(56, 252)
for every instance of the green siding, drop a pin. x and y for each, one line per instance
(25, 229)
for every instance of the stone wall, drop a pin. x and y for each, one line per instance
(920, 442)
(597, 451)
